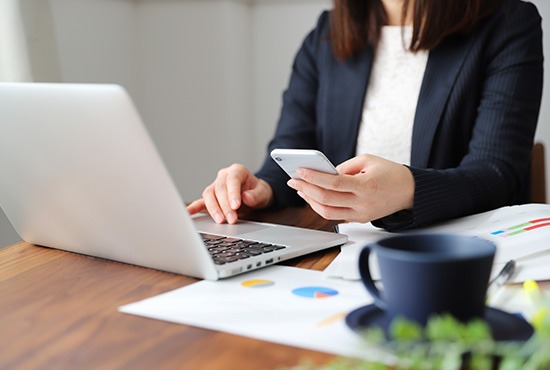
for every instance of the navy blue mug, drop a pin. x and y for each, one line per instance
(430, 274)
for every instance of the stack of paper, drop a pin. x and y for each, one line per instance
(521, 233)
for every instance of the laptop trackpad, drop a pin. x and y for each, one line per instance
(205, 224)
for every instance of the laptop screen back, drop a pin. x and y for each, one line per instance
(80, 173)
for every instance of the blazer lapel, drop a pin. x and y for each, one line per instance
(444, 63)
(344, 104)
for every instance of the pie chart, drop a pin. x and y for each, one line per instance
(315, 292)
(257, 283)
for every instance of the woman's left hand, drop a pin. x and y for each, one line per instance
(366, 188)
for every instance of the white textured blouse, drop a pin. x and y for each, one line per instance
(392, 94)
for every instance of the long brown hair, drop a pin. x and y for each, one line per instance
(356, 24)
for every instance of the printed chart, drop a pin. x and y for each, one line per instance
(258, 283)
(281, 304)
(522, 227)
(315, 292)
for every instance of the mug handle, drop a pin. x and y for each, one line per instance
(364, 270)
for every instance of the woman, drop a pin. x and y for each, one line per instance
(429, 106)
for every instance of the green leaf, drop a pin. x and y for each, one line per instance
(443, 343)
(374, 335)
(476, 331)
(511, 363)
(452, 360)
(480, 361)
(403, 330)
(444, 327)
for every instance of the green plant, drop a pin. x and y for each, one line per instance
(447, 344)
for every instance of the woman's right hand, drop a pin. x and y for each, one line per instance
(234, 188)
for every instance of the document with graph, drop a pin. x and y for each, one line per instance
(521, 233)
(518, 231)
(280, 304)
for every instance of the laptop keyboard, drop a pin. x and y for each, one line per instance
(226, 249)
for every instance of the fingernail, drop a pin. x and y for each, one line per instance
(231, 217)
(218, 217)
(234, 203)
(291, 183)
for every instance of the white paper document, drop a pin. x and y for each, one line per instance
(346, 265)
(286, 305)
(520, 232)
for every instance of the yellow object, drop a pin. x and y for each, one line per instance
(257, 283)
(541, 311)
(531, 287)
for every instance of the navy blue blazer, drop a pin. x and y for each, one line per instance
(474, 124)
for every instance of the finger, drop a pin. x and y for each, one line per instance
(234, 187)
(254, 198)
(250, 198)
(324, 196)
(259, 195)
(329, 212)
(354, 165)
(196, 206)
(343, 183)
(212, 205)
(220, 189)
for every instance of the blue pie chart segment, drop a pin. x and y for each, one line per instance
(315, 292)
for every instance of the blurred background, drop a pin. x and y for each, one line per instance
(206, 75)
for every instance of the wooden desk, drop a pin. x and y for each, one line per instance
(58, 310)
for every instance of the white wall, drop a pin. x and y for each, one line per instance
(96, 41)
(210, 77)
(14, 64)
(193, 62)
(274, 46)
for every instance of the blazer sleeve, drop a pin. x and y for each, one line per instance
(297, 123)
(490, 175)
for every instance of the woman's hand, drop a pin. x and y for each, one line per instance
(366, 188)
(234, 187)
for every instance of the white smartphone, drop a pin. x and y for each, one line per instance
(292, 159)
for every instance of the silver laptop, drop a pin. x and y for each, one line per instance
(80, 173)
